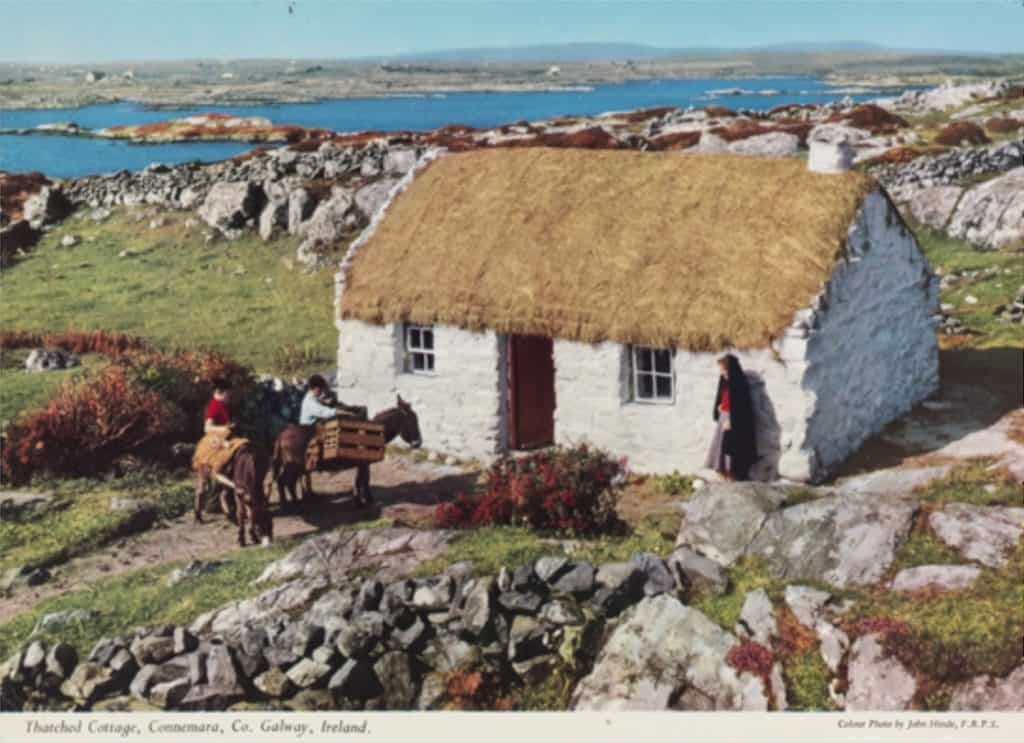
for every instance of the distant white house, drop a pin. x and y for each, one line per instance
(522, 297)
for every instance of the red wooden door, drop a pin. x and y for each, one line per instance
(532, 391)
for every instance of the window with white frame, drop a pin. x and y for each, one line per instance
(419, 349)
(653, 380)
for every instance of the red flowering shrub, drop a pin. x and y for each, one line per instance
(88, 424)
(573, 489)
(752, 657)
(91, 421)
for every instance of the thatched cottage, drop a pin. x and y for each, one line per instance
(530, 296)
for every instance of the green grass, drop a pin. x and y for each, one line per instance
(20, 390)
(143, 598)
(972, 483)
(79, 519)
(806, 677)
(922, 547)
(745, 575)
(954, 636)
(953, 255)
(490, 548)
(236, 297)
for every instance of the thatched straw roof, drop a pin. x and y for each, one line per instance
(690, 251)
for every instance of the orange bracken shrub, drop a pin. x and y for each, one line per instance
(1004, 125)
(674, 141)
(75, 341)
(961, 131)
(871, 118)
(86, 426)
(719, 112)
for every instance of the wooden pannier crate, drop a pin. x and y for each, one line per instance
(352, 440)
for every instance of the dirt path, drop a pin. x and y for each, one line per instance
(404, 490)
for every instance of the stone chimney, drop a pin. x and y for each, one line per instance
(829, 157)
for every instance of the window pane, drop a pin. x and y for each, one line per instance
(643, 358)
(645, 386)
(428, 339)
(664, 385)
(430, 361)
(663, 361)
(417, 361)
(414, 338)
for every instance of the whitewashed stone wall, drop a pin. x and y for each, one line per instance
(872, 353)
(593, 396)
(461, 408)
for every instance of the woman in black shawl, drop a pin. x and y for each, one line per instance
(733, 450)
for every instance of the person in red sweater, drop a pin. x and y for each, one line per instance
(215, 450)
(733, 449)
(218, 417)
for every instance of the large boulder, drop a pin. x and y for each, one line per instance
(665, 655)
(330, 219)
(934, 206)
(844, 540)
(399, 161)
(877, 683)
(300, 207)
(369, 199)
(772, 144)
(992, 214)
(230, 204)
(46, 207)
(721, 520)
(986, 534)
(50, 359)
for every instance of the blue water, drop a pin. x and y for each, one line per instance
(64, 157)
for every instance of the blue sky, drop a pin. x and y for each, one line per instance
(94, 30)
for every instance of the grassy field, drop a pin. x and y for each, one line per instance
(20, 390)
(79, 519)
(242, 297)
(143, 598)
(1005, 273)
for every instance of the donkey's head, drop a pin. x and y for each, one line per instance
(409, 424)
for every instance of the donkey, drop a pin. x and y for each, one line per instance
(289, 457)
(248, 502)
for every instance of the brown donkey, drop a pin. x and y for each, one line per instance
(289, 457)
(248, 471)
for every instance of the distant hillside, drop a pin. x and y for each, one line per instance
(603, 51)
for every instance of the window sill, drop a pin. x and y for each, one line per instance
(662, 403)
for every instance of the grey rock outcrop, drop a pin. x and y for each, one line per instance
(934, 206)
(936, 578)
(986, 534)
(992, 213)
(665, 655)
(839, 539)
(50, 359)
(877, 683)
(229, 205)
(48, 206)
(986, 693)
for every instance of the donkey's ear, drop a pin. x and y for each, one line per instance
(401, 402)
